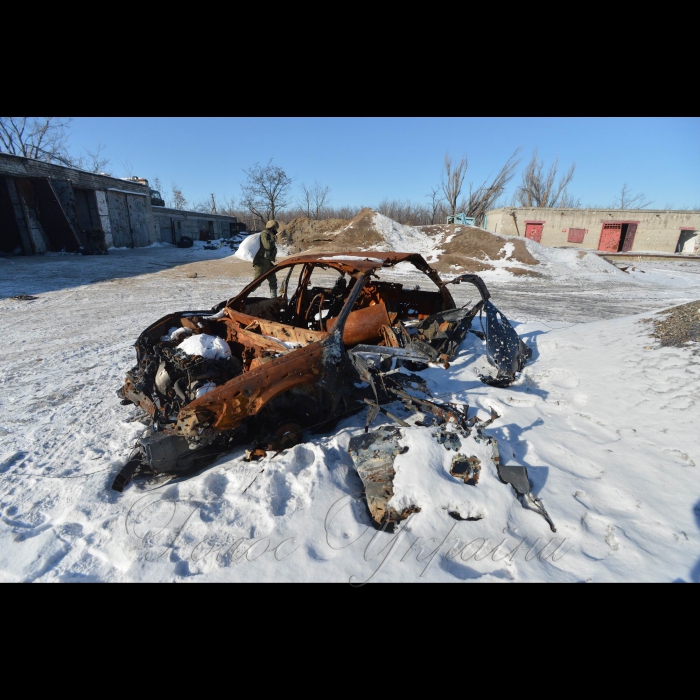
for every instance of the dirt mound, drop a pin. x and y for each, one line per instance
(360, 233)
(303, 234)
(469, 249)
(312, 236)
(459, 263)
(464, 248)
(476, 243)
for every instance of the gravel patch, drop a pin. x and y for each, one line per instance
(681, 325)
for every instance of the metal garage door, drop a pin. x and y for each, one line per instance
(610, 237)
(534, 232)
(119, 216)
(137, 215)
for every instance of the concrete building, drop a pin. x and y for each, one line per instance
(172, 224)
(609, 230)
(46, 207)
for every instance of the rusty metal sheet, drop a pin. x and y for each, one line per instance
(272, 328)
(360, 261)
(364, 325)
(227, 406)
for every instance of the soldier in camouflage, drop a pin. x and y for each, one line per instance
(266, 256)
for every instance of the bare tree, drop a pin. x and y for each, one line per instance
(435, 201)
(539, 189)
(313, 199)
(179, 201)
(93, 161)
(627, 200)
(42, 138)
(452, 181)
(305, 201)
(483, 198)
(265, 190)
(206, 206)
(128, 167)
(346, 213)
(568, 201)
(203, 206)
(390, 208)
(158, 186)
(227, 207)
(404, 212)
(46, 138)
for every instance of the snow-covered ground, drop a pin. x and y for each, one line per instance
(604, 419)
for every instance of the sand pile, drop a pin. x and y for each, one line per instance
(368, 230)
(470, 249)
(303, 235)
(360, 233)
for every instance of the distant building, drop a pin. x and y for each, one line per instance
(172, 224)
(609, 230)
(46, 207)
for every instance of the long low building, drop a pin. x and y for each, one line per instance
(172, 224)
(46, 207)
(609, 230)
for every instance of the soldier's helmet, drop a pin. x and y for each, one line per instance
(273, 223)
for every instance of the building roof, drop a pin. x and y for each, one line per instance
(168, 211)
(608, 210)
(64, 170)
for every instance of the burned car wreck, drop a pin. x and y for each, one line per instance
(345, 334)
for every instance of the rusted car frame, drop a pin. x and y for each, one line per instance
(298, 361)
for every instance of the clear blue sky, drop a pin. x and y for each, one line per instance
(365, 159)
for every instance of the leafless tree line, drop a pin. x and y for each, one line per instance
(541, 189)
(266, 194)
(479, 199)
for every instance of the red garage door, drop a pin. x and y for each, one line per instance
(610, 237)
(534, 232)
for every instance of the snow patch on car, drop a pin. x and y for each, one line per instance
(210, 347)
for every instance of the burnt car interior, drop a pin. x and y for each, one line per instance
(257, 368)
(320, 292)
(258, 329)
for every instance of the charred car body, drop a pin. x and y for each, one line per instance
(259, 371)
